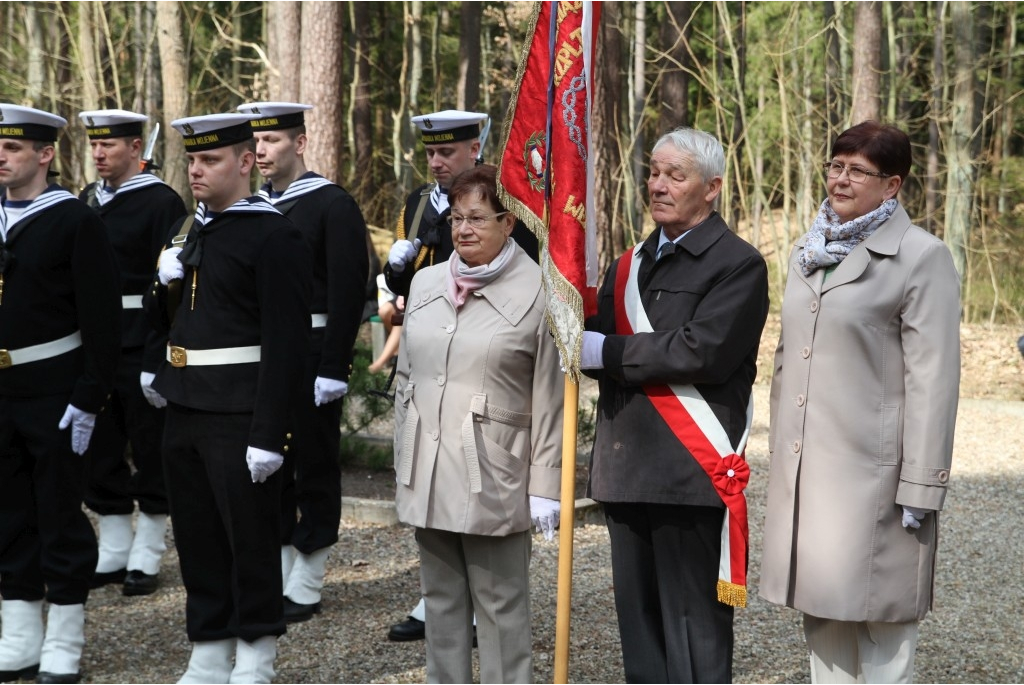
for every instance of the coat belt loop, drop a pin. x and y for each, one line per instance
(412, 422)
(472, 458)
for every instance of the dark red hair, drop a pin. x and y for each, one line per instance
(885, 146)
(480, 180)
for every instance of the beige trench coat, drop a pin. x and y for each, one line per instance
(478, 406)
(863, 406)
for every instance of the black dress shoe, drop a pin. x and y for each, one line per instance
(408, 630)
(45, 677)
(101, 579)
(139, 583)
(19, 674)
(295, 612)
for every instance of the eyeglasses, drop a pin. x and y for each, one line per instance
(474, 221)
(854, 173)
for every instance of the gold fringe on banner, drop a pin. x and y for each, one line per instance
(732, 594)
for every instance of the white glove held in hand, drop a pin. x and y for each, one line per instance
(151, 395)
(168, 267)
(82, 424)
(912, 517)
(262, 463)
(592, 350)
(328, 389)
(545, 512)
(403, 252)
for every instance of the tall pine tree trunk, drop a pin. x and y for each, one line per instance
(959, 158)
(674, 108)
(321, 86)
(867, 61)
(174, 76)
(468, 89)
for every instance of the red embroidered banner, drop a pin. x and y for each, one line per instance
(545, 169)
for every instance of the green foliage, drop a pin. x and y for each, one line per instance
(365, 409)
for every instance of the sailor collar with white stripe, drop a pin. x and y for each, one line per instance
(254, 204)
(53, 195)
(304, 184)
(105, 194)
(439, 199)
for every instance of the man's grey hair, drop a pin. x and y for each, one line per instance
(703, 149)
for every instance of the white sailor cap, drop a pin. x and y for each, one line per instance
(213, 130)
(274, 116)
(112, 123)
(449, 126)
(27, 123)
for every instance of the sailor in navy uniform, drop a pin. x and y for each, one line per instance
(60, 320)
(138, 210)
(452, 142)
(238, 339)
(333, 225)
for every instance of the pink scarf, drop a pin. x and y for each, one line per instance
(463, 279)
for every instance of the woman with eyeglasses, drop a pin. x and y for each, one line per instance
(478, 429)
(863, 405)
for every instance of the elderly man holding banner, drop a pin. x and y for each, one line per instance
(674, 348)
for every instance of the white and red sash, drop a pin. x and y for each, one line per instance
(690, 417)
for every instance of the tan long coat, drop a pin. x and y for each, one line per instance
(863, 406)
(478, 407)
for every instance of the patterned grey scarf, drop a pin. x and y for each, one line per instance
(829, 241)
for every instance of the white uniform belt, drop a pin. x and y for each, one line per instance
(131, 302)
(35, 353)
(319, 320)
(179, 356)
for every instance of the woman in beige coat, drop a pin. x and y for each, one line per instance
(863, 405)
(478, 425)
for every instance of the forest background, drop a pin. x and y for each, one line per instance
(774, 81)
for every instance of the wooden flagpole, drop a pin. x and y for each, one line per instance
(565, 533)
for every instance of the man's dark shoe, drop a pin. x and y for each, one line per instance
(295, 612)
(19, 674)
(138, 583)
(409, 630)
(100, 579)
(44, 677)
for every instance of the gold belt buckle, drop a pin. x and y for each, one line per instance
(179, 356)
(5, 359)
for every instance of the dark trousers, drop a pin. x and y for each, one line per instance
(111, 487)
(47, 545)
(311, 474)
(226, 528)
(665, 571)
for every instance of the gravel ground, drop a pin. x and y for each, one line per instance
(972, 636)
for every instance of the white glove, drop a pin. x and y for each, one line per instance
(168, 267)
(545, 512)
(328, 389)
(912, 517)
(262, 463)
(591, 350)
(151, 395)
(82, 424)
(403, 252)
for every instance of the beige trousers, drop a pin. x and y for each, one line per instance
(860, 652)
(489, 574)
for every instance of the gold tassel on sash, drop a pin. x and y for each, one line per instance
(732, 594)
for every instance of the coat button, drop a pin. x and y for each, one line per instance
(440, 380)
(449, 328)
(800, 399)
(943, 476)
(806, 352)
(433, 435)
(814, 306)
(796, 447)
